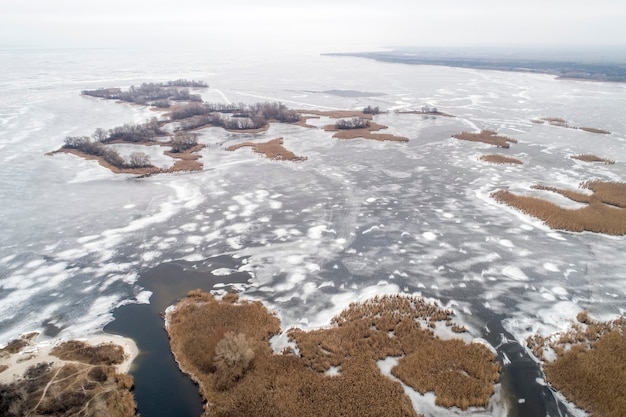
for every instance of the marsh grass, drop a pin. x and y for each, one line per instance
(295, 383)
(365, 133)
(589, 366)
(605, 210)
(486, 136)
(587, 157)
(273, 150)
(557, 121)
(500, 159)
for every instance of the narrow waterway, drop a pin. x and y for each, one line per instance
(161, 389)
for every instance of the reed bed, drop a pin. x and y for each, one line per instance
(587, 157)
(296, 383)
(500, 159)
(605, 211)
(557, 121)
(365, 133)
(273, 150)
(486, 136)
(589, 365)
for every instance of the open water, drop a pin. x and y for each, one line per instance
(357, 218)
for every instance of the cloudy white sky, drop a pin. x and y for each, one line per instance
(323, 25)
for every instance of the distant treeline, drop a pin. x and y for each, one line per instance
(152, 94)
(598, 71)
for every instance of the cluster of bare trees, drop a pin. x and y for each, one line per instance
(353, 123)
(86, 145)
(183, 141)
(154, 94)
(132, 132)
(371, 110)
(242, 117)
(95, 146)
(186, 83)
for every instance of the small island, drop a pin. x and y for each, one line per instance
(224, 345)
(557, 121)
(500, 159)
(273, 150)
(587, 157)
(489, 137)
(604, 210)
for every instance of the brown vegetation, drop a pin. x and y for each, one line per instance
(76, 350)
(557, 121)
(224, 345)
(486, 136)
(587, 157)
(273, 149)
(365, 133)
(500, 159)
(87, 386)
(605, 211)
(589, 366)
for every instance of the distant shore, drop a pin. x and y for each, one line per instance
(562, 70)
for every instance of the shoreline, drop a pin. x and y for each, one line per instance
(35, 353)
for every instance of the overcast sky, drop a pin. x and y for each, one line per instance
(317, 25)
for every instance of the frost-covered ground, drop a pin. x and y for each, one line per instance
(357, 218)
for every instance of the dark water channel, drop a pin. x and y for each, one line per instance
(161, 389)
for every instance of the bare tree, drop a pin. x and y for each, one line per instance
(100, 135)
(139, 160)
(183, 141)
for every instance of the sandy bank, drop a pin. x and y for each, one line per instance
(35, 353)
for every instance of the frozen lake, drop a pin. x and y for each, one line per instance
(357, 218)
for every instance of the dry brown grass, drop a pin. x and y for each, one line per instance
(587, 157)
(500, 159)
(291, 384)
(337, 114)
(589, 366)
(557, 121)
(595, 130)
(425, 113)
(605, 211)
(365, 133)
(486, 136)
(76, 350)
(273, 149)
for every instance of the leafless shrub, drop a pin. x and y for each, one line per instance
(233, 357)
(183, 141)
